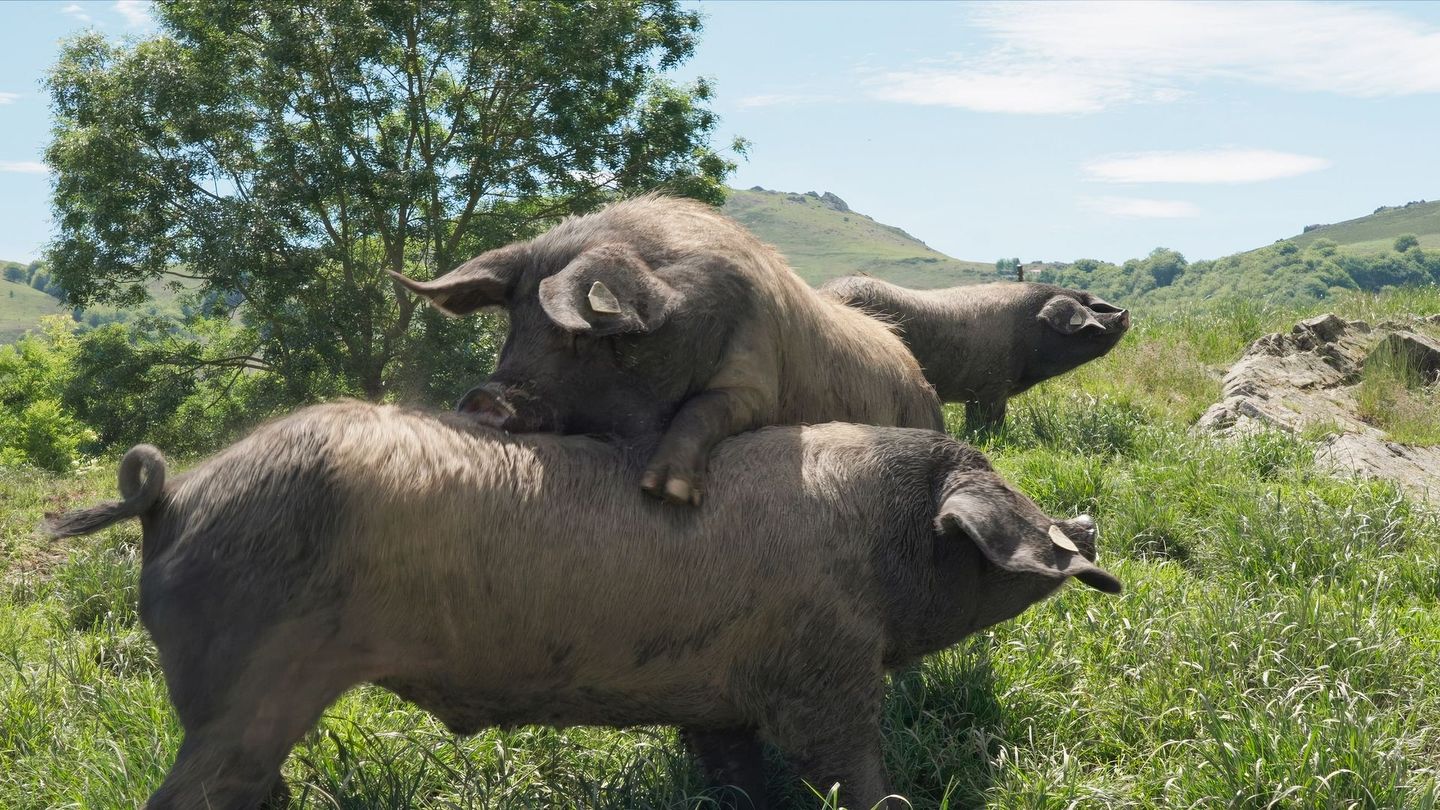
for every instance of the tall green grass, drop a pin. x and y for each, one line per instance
(1400, 396)
(1278, 644)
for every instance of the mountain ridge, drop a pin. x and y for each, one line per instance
(823, 238)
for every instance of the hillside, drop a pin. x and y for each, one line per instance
(1375, 233)
(1323, 262)
(21, 307)
(823, 239)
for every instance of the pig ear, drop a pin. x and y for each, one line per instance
(608, 290)
(1067, 316)
(484, 281)
(1011, 542)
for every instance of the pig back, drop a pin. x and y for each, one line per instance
(529, 574)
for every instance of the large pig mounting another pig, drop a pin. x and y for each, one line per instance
(661, 317)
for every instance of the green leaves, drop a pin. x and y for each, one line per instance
(287, 154)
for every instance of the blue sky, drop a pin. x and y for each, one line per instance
(1045, 131)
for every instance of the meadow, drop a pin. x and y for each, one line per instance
(1278, 643)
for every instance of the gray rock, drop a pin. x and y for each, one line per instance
(1416, 469)
(1418, 352)
(1306, 380)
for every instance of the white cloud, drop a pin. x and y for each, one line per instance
(135, 12)
(1202, 166)
(8, 98)
(1033, 92)
(777, 99)
(74, 10)
(1077, 57)
(23, 167)
(1141, 208)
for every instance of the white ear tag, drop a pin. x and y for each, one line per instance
(1059, 538)
(602, 300)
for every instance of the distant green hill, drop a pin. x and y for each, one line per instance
(1324, 262)
(823, 239)
(21, 307)
(1375, 233)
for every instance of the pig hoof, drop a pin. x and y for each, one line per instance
(670, 488)
(677, 491)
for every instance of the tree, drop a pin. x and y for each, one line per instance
(1163, 266)
(281, 156)
(1405, 241)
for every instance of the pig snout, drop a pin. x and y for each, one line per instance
(506, 408)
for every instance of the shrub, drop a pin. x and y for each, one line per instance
(35, 427)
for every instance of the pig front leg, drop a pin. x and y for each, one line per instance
(676, 472)
(858, 767)
(845, 751)
(732, 761)
(985, 413)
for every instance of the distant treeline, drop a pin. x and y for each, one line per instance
(35, 275)
(1282, 273)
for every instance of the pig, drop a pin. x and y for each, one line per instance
(661, 317)
(985, 343)
(499, 580)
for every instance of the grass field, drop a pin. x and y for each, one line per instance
(22, 307)
(822, 243)
(1278, 644)
(1376, 233)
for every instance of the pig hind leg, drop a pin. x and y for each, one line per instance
(239, 729)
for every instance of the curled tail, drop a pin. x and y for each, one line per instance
(142, 480)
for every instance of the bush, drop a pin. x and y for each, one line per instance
(35, 427)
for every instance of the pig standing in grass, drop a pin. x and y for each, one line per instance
(661, 317)
(983, 344)
(508, 580)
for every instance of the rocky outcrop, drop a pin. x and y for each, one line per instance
(1305, 381)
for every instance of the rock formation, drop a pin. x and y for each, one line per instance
(1305, 381)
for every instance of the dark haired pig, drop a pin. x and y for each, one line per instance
(985, 343)
(662, 316)
(507, 580)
